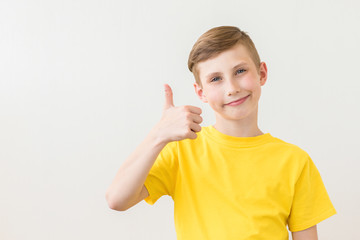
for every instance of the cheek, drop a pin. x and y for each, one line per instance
(249, 84)
(214, 97)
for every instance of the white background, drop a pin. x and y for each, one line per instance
(81, 84)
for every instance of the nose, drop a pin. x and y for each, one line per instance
(233, 87)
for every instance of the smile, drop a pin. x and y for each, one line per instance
(238, 102)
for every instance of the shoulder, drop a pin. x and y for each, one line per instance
(293, 148)
(297, 156)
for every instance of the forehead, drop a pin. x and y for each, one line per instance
(224, 61)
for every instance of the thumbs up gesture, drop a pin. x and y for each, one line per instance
(178, 123)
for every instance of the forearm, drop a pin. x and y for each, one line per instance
(176, 123)
(307, 234)
(132, 174)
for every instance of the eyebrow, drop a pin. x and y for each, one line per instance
(217, 73)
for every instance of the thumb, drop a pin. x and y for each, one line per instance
(168, 97)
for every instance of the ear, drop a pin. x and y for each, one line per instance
(263, 73)
(199, 91)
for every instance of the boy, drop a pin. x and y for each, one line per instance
(228, 180)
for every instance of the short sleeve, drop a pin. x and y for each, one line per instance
(311, 202)
(161, 179)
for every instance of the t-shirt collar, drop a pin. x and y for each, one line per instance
(236, 142)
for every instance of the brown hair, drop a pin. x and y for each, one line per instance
(216, 41)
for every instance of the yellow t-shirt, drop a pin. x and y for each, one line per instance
(227, 187)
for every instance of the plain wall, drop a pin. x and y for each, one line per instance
(81, 84)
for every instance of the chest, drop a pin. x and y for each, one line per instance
(241, 176)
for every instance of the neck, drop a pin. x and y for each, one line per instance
(245, 127)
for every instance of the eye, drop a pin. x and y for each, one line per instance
(214, 79)
(240, 71)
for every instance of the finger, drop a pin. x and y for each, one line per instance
(195, 127)
(196, 118)
(168, 97)
(192, 135)
(194, 109)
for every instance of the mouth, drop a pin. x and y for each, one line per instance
(238, 101)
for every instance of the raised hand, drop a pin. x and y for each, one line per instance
(178, 123)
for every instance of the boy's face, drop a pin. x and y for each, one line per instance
(229, 76)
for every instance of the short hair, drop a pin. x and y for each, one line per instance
(217, 40)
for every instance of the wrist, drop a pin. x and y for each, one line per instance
(157, 137)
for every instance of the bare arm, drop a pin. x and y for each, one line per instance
(177, 123)
(307, 234)
(127, 189)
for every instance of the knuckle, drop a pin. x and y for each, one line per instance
(188, 135)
